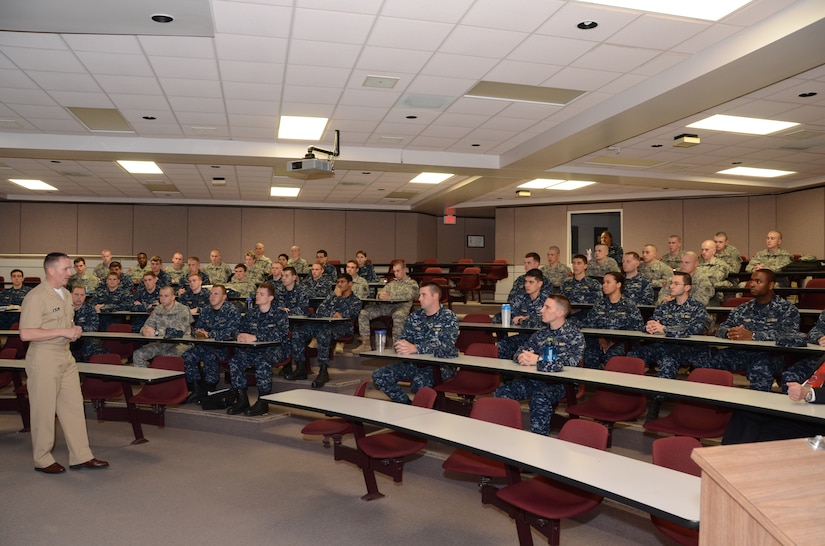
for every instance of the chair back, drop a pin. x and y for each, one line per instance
(586, 433)
(7, 354)
(674, 453)
(31, 281)
(488, 350)
(106, 358)
(469, 280)
(122, 348)
(361, 389)
(98, 389)
(424, 398)
(609, 405)
(501, 411)
(694, 419)
(166, 393)
(469, 337)
(430, 273)
(14, 342)
(736, 302)
(813, 301)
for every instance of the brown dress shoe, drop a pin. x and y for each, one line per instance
(91, 463)
(54, 468)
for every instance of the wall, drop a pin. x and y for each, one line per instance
(86, 229)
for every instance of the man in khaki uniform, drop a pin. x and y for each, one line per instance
(46, 321)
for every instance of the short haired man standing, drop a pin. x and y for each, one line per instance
(568, 342)
(432, 329)
(46, 322)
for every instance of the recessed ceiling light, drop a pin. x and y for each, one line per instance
(301, 128)
(523, 193)
(412, 117)
(571, 185)
(738, 124)
(709, 11)
(140, 167)
(55, 161)
(540, 183)
(552, 184)
(655, 145)
(806, 95)
(162, 18)
(279, 191)
(587, 25)
(431, 178)
(38, 185)
(753, 171)
(475, 145)
(149, 117)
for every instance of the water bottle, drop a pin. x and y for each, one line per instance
(549, 357)
(249, 303)
(505, 315)
(380, 339)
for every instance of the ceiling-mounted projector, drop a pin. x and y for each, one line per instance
(311, 167)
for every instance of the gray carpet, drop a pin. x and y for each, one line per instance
(254, 481)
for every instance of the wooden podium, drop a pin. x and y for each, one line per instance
(762, 494)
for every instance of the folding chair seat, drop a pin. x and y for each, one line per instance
(697, 420)
(168, 393)
(334, 427)
(470, 383)
(99, 391)
(674, 453)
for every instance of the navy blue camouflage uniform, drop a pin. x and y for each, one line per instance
(638, 289)
(604, 315)
(520, 305)
(119, 299)
(769, 322)
(270, 326)
(296, 300)
(195, 301)
(221, 324)
(146, 303)
(518, 288)
(569, 344)
(11, 296)
(587, 290)
(87, 318)
(367, 271)
(435, 335)
(325, 332)
(318, 288)
(802, 370)
(688, 319)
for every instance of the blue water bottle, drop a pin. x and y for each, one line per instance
(549, 357)
(249, 303)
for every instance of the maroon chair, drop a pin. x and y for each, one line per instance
(608, 406)
(469, 281)
(491, 274)
(98, 390)
(813, 301)
(6, 377)
(470, 383)
(697, 420)
(542, 502)
(457, 268)
(14, 342)
(502, 411)
(468, 337)
(168, 393)
(334, 427)
(122, 348)
(385, 452)
(430, 273)
(31, 281)
(674, 453)
(20, 402)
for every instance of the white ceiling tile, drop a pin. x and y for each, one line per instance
(468, 105)
(255, 121)
(391, 61)
(458, 66)
(445, 87)
(39, 40)
(330, 26)
(304, 52)
(348, 112)
(115, 63)
(408, 34)
(129, 85)
(365, 97)
(191, 88)
(17, 79)
(482, 42)
(427, 10)
(303, 75)
(622, 83)
(147, 104)
(238, 47)
(526, 111)
(661, 63)
(196, 104)
(82, 100)
(445, 131)
(307, 109)
(581, 79)
(563, 22)
(550, 50)
(521, 72)
(44, 59)
(205, 119)
(251, 91)
(351, 6)
(319, 95)
(522, 16)
(153, 129)
(707, 38)
(461, 120)
(59, 125)
(24, 96)
(655, 32)
(245, 72)
(178, 67)
(66, 82)
(616, 58)
(253, 133)
(248, 107)
(254, 19)
(101, 43)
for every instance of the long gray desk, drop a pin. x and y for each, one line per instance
(129, 336)
(657, 490)
(126, 375)
(732, 397)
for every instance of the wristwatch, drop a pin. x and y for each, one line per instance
(810, 396)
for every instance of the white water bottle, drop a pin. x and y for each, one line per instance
(505, 315)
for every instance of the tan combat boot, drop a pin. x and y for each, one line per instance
(365, 346)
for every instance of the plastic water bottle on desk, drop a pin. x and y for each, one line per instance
(249, 303)
(549, 358)
(505, 315)
(380, 340)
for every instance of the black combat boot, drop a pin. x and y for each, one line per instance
(261, 407)
(197, 391)
(322, 379)
(285, 370)
(299, 373)
(241, 402)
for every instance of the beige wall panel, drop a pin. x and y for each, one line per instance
(274, 227)
(536, 228)
(106, 226)
(801, 216)
(215, 227)
(452, 243)
(647, 222)
(48, 227)
(162, 231)
(427, 243)
(10, 228)
(506, 234)
(406, 236)
(320, 229)
(705, 217)
(372, 232)
(761, 219)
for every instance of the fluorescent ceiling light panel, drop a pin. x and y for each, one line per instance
(431, 178)
(709, 10)
(38, 185)
(540, 184)
(738, 124)
(140, 167)
(514, 92)
(277, 191)
(301, 128)
(571, 185)
(101, 120)
(753, 171)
